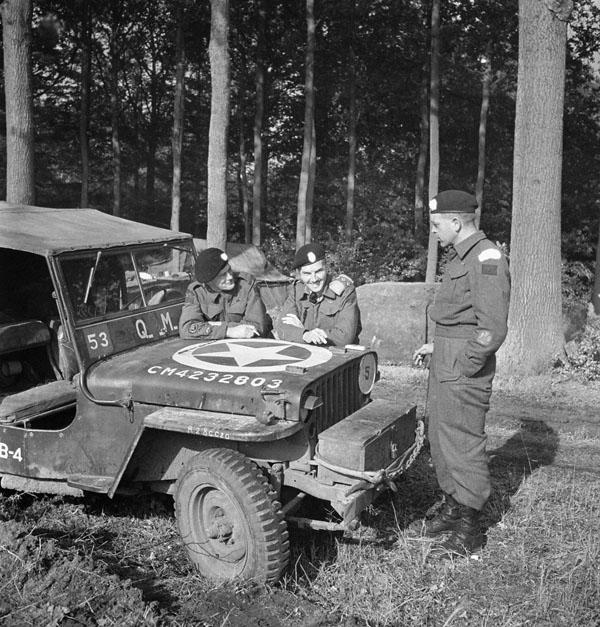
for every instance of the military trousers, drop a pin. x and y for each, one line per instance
(457, 407)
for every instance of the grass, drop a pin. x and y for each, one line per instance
(94, 561)
(540, 567)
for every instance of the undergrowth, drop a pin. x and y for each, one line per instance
(96, 561)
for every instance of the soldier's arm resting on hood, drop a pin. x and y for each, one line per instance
(490, 290)
(193, 323)
(284, 330)
(345, 329)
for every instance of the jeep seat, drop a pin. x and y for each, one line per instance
(35, 402)
(16, 336)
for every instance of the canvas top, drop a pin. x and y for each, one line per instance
(47, 231)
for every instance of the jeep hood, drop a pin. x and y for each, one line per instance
(237, 376)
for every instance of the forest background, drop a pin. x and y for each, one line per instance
(105, 106)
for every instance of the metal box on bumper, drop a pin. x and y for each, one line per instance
(369, 440)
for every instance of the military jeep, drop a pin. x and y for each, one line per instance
(99, 394)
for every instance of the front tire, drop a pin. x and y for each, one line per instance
(229, 518)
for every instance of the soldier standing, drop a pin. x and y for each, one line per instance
(470, 312)
(319, 309)
(221, 304)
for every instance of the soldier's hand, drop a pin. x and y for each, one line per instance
(316, 336)
(421, 355)
(292, 319)
(241, 331)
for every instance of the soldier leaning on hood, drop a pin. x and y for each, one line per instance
(221, 304)
(319, 309)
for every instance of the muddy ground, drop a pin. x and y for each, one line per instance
(94, 561)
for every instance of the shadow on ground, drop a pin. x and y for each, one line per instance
(534, 445)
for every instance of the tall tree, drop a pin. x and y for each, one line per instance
(305, 185)
(434, 133)
(259, 114)
(352, 120)
(84, 117)
(178, 117)
(535, 336)
(243, 179)
(218, 52)
(115, 109)
(486, 80)
(16, 40)
(419, 219)
(596, 289)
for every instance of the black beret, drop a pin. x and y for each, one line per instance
(209, 263)
(309, 253)
(453, 201)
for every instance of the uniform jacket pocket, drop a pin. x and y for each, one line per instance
(213, 311)
(330, 307)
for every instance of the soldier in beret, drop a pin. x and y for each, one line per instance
(219, 303)
(319, 309)
(470, 311)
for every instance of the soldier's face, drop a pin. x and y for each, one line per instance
(224, 281)
(313, 275)
(446, 228)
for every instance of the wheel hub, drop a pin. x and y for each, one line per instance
(219, 517)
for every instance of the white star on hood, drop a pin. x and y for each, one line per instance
(246, 355)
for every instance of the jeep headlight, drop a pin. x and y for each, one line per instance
(367, 371)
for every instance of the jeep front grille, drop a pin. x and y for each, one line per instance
(340, 394)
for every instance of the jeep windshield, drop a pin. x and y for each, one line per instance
(106, 283)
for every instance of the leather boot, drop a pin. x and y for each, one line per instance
(445, 519)
(466, 536)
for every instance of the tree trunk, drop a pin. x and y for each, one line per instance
(419, 220)
(352, 140)
(86, 68)
(483, 115)
(114, 114)
(178, 113)
(596, 292)
(218, 52)
(257, 186)
(309, 107)
(535, 336)
(310, 192)
(243, 181)
(16, 39)
(151, 132)
(434, 134)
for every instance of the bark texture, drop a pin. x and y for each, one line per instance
(535, 335)
(218, 52)
(243, 180)
(178, 117)
(434, 133)
(305, 185)
(16, 39)
(115, 110)
(86, 68)
(259, 114)
(420, 209)
(486, 80)
(596, 291)
(352, 139)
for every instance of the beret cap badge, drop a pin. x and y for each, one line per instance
(309, 253)
(209, 263)
(453, 201)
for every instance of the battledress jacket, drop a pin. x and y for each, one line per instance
(335, 311)
(472, 301)
(206, 314)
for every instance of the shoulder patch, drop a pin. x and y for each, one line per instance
(340, 283)
(489, 253)
(489, 268)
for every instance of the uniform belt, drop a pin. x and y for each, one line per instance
(463, 331)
